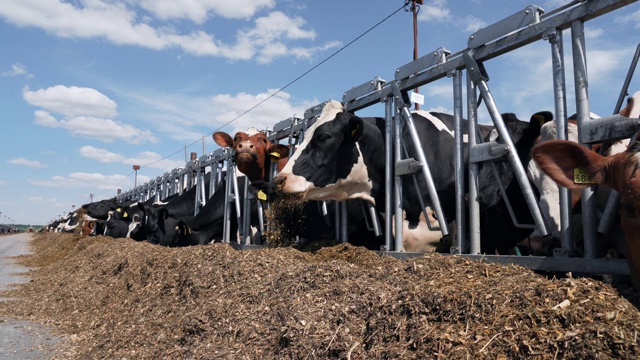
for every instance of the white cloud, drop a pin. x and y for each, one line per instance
(593, 33)
(436, 10)
(72, 101)
(633, 18)
(122, 23)
(439, 11)
(84, 180)
(100, 155)
(189, 118)
(30, 163)
(149, 159)
(17, 70)
(105, 130)
(471, 23)
(144, 159)
(273, 110)
(267, 39)
(199, 10)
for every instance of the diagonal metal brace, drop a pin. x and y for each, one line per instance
(402, 104)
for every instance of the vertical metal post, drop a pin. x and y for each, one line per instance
(397, 184)
(260, 215)
(560, 100)
(581, 83)
(336, 218)
(236, 198)
(228, 197)
(459, 157)
(246, 214)
(388, 171)
(344, 222)
(474, 205)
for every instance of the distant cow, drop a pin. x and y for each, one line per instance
(342, 157)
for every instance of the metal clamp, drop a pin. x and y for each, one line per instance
(529, 16)
(439, 56)
(363, 89)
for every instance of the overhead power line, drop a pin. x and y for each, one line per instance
(275, 93)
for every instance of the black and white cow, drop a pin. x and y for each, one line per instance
(342, 157)
(208, 225)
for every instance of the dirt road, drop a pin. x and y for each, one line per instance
(20, 339)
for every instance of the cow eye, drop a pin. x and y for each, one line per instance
(263, 140)
(322, 137)
(236, 139)
(629, 211)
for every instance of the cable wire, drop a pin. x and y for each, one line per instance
(289, 83)
(270, 96)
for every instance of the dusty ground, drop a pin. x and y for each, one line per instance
(115, 298)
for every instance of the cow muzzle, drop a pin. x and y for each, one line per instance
(246, 157)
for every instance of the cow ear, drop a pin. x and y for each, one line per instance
(282, 151)
(355, 127)
(223, 139)
(570, 164)
(542, 117)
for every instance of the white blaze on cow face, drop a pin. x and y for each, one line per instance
(356, 185)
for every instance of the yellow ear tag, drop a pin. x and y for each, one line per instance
(354, 131)
(275, 154)
(125, 215)
(118, 209)
(582, 177)
(262, 196)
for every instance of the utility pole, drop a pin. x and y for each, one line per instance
(91, 196)
(415, 8)
(135, 181)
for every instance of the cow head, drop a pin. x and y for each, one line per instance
(253, 152)
(574, 166)
(100, 209)
(547, 187)
(329, 164)
(159, 227)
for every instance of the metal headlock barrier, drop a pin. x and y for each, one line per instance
(515, 31)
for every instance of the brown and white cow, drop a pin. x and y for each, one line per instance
(254, 153)
(559, 159)
(548, 189)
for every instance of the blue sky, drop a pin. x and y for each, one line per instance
(90, 87)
